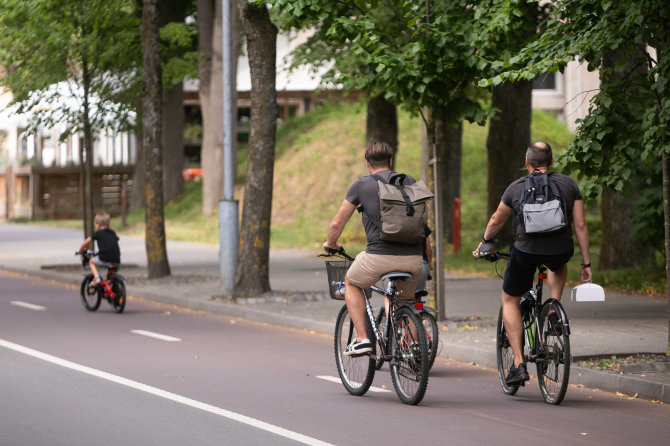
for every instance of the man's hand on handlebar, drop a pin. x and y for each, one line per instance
(330, 250)
(484, 249)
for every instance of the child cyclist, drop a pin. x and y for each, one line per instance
(108, 246)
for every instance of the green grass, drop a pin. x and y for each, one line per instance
(320, 154)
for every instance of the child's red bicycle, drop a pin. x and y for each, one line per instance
(113, 288)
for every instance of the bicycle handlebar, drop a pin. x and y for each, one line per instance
(492, 256)
(340, 252)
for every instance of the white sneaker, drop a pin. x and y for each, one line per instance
(357, 348)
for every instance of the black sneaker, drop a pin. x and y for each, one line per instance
(555, 327)
(517, 375)
(358, 348)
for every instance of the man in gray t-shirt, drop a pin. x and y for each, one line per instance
(530, 250)
(380, 256)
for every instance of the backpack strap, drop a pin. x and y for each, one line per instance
(397, 180)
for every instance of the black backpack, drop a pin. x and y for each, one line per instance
(541, 208)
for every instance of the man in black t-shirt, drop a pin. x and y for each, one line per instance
(108, 246)
(530, 250)
(380, 256)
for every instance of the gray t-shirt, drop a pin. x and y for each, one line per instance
(556, 243)
(365, 192)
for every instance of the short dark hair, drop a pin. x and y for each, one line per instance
(379, 154)
(539, 154)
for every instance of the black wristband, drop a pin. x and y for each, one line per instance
(486, 241)
(586, 265)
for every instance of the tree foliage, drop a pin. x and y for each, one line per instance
(91, 47)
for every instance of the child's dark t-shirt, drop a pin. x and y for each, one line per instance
(108, 245)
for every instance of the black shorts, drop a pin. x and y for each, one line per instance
(521, 269)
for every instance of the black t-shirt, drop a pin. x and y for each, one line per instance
(365, 192)
(108, 245)
(556, 243)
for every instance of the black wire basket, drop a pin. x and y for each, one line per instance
(337, 269)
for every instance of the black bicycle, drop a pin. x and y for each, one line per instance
(546, 340)
(427, 316)
(406, 350)
(112, 289)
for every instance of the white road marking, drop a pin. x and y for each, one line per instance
(34, 307)
(335, 379)
(151, 334)
(165, 394)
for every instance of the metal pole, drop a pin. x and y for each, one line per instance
(228, 209)
(439, 239)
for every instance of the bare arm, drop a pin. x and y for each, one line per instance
(337, 224)
(582, 234)
(496, 222)
(84, 245)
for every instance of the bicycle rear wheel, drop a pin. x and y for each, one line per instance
(119, 302)
(90, 296)
(432, 334)
(356, 372)
(553, 365)
(504, 356)
(411, 361)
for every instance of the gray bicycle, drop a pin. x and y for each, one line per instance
(406, 350)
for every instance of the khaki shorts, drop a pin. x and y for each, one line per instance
(368, 269)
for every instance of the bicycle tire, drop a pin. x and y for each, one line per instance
(504, 356)
(553, 366)
(90, 297)
(411, 361)
(356, 372)
(119, 302)
(432, 334)
(381, 325)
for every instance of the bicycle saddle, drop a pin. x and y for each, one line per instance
(397, 275)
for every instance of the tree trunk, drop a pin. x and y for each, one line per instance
(88, 156)
(173, 141)
(252, 273)
(211, 102)
(619, 247)
(449, 147)
(506, 144)
(157, 262)
(382, 124)
(666, 214)
(137, 195)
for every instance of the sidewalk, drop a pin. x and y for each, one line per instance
(623, 324)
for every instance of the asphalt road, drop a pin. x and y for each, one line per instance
(160, 375)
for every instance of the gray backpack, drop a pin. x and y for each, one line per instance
(402, 209)
(541, 209)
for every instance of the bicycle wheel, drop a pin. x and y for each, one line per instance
(504, 356)
(119, 302)
(356, 372)
(553, 365)
(432, 334)
(381, 324)
(90, 297)
(411, 361)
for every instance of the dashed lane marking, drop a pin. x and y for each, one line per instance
(304, 439)
(27, 305)
(151, 334)
(335, 379)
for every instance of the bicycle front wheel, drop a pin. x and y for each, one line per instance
(356, 372)
(119, 302)
(90, 296)
(432, 334)
(553, 364)
(504, 356)
(411, 361)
